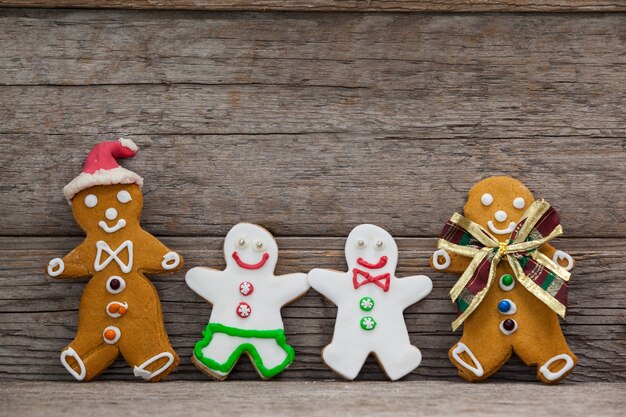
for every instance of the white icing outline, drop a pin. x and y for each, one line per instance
(120, 289)
(505, 331)
(124, 197)
(71, 352)
(116, 315)
(551, 376)
(56, 262)
(501, 215)
(139, 371)
(462, 347)
(118, 334)
(167, 258)
(101, 245)
(487, 197)
(505, 287)
(519, 205)
(512, 310)
(445, 255)
(121, 223)
(88, 201)
(497, 231)
(559, 254)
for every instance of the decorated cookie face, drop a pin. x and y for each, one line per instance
(497, 204)
(250, 247)
(107, 209)
(371, 247)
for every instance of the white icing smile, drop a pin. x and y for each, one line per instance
(497, 231)
(117, 226)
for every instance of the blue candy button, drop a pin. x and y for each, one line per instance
(504, 306)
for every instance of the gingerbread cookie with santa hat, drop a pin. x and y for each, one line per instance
(120, 311)
(513, 285)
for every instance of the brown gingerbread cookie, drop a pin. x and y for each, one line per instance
(120, 311)
(513, 284)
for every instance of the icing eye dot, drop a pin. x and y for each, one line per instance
(241, 242)
(123, 197)
(91, 200)
(360, 243)
(259, 245)
(379, 244)
(519, 203)
(486, 199)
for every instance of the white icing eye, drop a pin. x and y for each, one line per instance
(519, 203)
(259, 245)
(241, 242)
(123, 197)
(361, 243)
(380, 244)
(91, 200)
(486, 199)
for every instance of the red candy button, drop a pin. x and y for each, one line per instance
(243, 310)
(246, 288)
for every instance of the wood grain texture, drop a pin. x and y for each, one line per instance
(38, 315)
(340, 5)
(313, 398)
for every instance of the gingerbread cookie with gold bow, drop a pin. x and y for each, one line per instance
(513, 285)
(120, 311)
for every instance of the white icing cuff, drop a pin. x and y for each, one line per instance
(170, 260)
(462, 347)
(444, 254)
(83, 371)
(139, 371)
(56, 267)
(119, 175)
(559, 254)
(551, 376)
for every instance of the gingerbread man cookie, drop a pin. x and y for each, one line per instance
(513, 284)
(370, 302)
(246, 298)
(120, 310)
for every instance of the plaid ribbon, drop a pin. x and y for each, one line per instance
(536, 272)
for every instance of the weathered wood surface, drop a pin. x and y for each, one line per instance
(38, 315)
(286, 119)
(278, 399)
(310, 123)
(340, 5)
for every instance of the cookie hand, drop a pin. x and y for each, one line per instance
(559, 254)
(170, 260)
(56, 267)
(441, 253)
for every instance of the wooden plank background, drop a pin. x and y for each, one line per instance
(309, 124)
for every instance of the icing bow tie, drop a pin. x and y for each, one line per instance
(360, 278)
(536, 272)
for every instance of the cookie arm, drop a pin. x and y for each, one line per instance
(558, 256)
(205, 282)
(155, 257)
(449, 262)
(331, 284)
(72, 265)
(290, 287)
(410, 290)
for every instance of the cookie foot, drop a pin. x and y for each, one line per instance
(565, 369)
(72, 353)
(141, 372)
(476, 368)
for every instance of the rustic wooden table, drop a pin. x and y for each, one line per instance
(309, 123)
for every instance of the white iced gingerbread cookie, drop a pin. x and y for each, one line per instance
(247, 298)
(370, 301)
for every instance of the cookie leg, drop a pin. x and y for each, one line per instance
(476, 360)
(271, 356)
(550, 353)
(344, 358)
(399, 361)
(88, 356)
(151, 359)
(217, 357)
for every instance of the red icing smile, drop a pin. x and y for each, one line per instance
(381, 262)
(246, 265)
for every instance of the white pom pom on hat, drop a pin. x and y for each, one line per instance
(101, 168)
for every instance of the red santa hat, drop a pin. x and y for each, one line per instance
(101, 168)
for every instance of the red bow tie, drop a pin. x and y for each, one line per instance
(360, 278)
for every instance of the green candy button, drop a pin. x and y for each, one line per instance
(368, 323)
(366, 303)
(507, 280)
